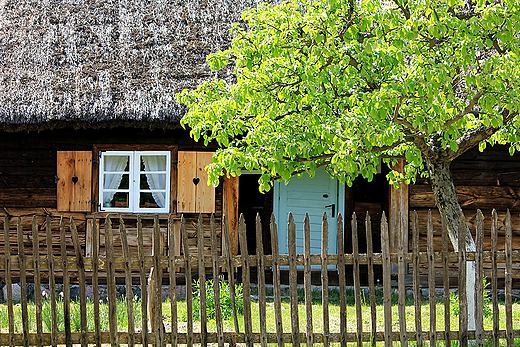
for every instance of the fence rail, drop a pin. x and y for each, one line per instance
(153, 332)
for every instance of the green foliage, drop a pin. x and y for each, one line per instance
(225, 299)
(335, 84)
(488, 310)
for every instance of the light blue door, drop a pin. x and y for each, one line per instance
(313, 196)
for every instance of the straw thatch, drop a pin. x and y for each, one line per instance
(93, 63)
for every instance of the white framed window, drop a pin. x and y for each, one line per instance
(134, 181)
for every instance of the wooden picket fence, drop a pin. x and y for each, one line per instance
(226, 262)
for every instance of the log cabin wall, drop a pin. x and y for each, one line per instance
(484, 180)
(28, 185)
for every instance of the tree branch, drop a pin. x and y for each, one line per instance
(466, 109)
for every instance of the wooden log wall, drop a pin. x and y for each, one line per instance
(486, 180)
(28, 165)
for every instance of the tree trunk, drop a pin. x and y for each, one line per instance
(450, 210)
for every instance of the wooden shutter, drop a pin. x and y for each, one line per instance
(74, 173)
(193, 193)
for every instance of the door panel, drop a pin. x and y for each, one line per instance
(313, 196)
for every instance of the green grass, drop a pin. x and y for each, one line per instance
(334, 312)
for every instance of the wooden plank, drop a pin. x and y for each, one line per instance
(342, 283)
(95, 280)
(66, 285)
(202, 283)
(205, 194)
(173, 241)
(246, 281)
(157, 278)
(128, 283)
(186, 172)
(387, 294)
(230, 208)
(509, 282)
(37, 281)
(479, 284)
(231, 276)
(89, 231)
(463, 301)
(187, 269)
(494, 276)
(216, 282)
(23, 282)
(431, 282)
(371, 280)
(82, 283)
(399, 201)
(144, 284)
(324, 280)
(446, 285)
(52, 283)
(261, 282)
(403, 335)
(8, 282)
(293, 281)
(357, 284)
(416, 281)
(111, 283)
(276, 282)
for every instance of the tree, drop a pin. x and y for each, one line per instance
(336, 84)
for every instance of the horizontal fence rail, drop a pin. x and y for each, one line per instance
(210, 257)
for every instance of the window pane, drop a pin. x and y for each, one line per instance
(152, 200)
(119, 199)
(152, 182)
(153, 163)
(116, 181)
(116, 163)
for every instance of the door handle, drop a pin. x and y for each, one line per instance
(333, 209)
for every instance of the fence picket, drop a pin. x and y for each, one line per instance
(157, 296)
(371, 280)
(202, 283)
(23, 282)
(144, 285)
(52, 283)
(231, 277)
(494, 275)
(111, 283)
(342, 283)
(37, 281)
(401, 267)
(187, 273)
(509, 281)
(324, 279)
(276, 282)
(8, 281)
(128, 283)
(416, 281)
(431, 281)
(261, 282)
(357, 284)
(293, 281)
(246, 281)
(82, 283)
(387, 290)
(66, 285)
(216, 282)
(172, 232)
(463, 301)
(446, 284)
(479, 278)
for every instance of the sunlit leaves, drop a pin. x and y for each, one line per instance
(319, 83)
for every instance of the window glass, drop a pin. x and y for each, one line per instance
(117, 199)
(152, 182)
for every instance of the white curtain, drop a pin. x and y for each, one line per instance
(155, 180)
(112, 180)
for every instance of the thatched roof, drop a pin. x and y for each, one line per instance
(93, 63)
